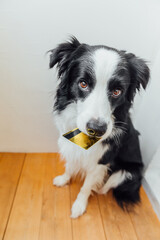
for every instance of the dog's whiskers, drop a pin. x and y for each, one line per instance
(122, 128)
(115, 135)
(121, 122)
(117, 131)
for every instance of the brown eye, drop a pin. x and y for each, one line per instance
(83, 84)
(116, 93)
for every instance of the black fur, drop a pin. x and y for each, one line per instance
(126, 156)
(74, 64)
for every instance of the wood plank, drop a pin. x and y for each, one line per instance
(117, 223)
(89, 225)
(55, 218)
(26, 212)
(37, 211)
(145, 220)
(10, 169)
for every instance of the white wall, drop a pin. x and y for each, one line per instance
(148, 115)
(29, 28)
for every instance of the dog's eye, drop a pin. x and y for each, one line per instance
(116, 93)
(83, 84)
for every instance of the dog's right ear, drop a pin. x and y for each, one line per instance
(62, 55)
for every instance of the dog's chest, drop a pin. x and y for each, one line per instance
(82, 158)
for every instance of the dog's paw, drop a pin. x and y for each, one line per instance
(61, 180)
(78, 208)
(102, 190)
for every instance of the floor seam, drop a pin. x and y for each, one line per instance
(133, 225)
(10, 211)
(70, 209)
(101, 217)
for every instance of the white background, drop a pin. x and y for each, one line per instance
(29, 28)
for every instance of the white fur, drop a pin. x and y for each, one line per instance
(106, 62)
(96, 105)
(115, 180)
(61, 180)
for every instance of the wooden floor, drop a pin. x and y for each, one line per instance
(31, 208)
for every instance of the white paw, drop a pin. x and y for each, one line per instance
(102, 190)
(78, 208)
(61, 180)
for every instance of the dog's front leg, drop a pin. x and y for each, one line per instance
(93, 178)
(62, 180)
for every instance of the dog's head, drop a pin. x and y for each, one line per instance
(102, 81)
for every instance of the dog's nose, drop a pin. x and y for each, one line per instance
(96, 127)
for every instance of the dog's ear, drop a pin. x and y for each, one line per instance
(62, 55)
(139, 74)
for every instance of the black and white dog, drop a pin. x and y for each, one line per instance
(97, 85)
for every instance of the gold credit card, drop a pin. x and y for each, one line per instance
(80, 138)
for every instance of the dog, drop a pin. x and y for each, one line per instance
(95, 92)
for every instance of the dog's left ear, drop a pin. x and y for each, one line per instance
(139, 74)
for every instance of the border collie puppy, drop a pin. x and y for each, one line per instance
(97, 85)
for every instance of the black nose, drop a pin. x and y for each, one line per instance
(96, 127)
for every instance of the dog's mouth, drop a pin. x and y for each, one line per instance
(92, 134)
